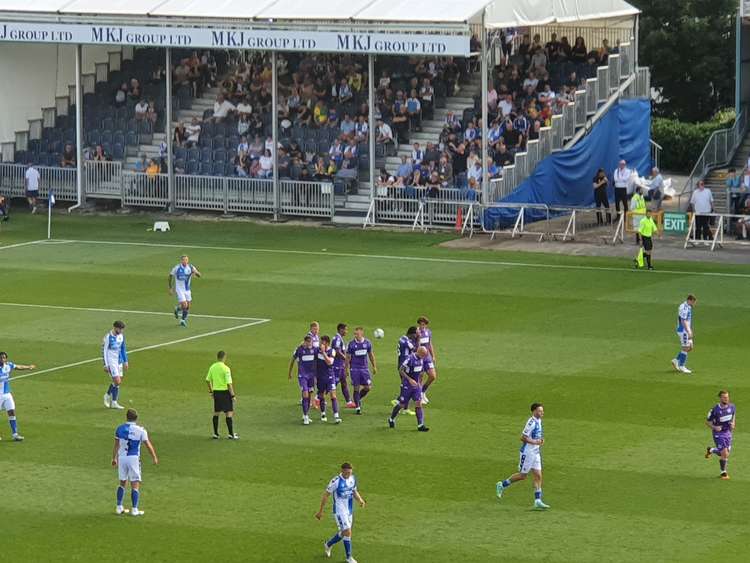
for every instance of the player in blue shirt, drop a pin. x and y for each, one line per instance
(7, 403)
(126, 457)
(344, 490)
(115, 356)
(183, 277)
(684, 333)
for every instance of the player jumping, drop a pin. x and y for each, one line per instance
(343, 487)
(7, 403)
(532, 439)
(126, 456)
(685, 333)
(357, 354)
(183, 275)
(115, 362)
(721, 421)
(411, 386)
(326, 380)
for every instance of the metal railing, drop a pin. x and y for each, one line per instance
(579, 105)
(656, 149)
(62, 181)
(718, 151)
(447, 210)
(102, 179)
(145, 190)
(309, 199)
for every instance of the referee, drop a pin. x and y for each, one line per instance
(219, 381)
(647, 229)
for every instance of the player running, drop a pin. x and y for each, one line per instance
(343, 487)
(305, 356)
(685, 333)
(183, 276)
(532, 439)
(411, 386)
(339, 363)
(7, 403)
(126, 456)
(115, 358)
(326, 380)
(721, 420)
(425, 339)
(406, 345)
(358, 353)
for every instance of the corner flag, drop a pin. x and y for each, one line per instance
(50, 203)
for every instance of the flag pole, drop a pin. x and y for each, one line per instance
(50, 203)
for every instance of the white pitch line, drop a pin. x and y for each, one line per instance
(145, 348)
(96, 310)
(412, 258)
(27, 243)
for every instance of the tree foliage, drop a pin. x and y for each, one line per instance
(690, 47)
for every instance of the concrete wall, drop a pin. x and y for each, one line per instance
(31, 75)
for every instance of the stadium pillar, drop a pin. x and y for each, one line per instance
(636, 40)
(79, 129)
(275, 134)
(168, 129)
(485, 113)
(370, 120)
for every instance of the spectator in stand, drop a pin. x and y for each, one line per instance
(431, 153)
(222, 108)
(452, 122)
(492, 99)
(414, 108)
(257, 147)
(243, 125)
(151, 113)
(702, 202)
(100, 154)
(347, 126)
(426, 96)
(121, 96)
(494, 136)
(655, 192)
(68, 159)
(320, 114)
(471, 191)
(513, 139)
(336, 152)
(401, 124)
(345, 93)
(534, 130)
(361, 129)
(506, 106)
(351, 151)
(241, 165)
(470, 133)
(602, 55)
(433, 185)
(141, 109)
(193, 133)
(243, 145)
(459, 160)
(266, 165)
(743, 224)
(445, 172)
(134, 90)
(475, 171)
(552, 48)
(244, 107)
(737, 190)
(503, 157)
(417, 154)
(153, 169)
(141, 164)
(405, 169)
(180, 136)
(539, 59)
(579, 54)
(268, 145)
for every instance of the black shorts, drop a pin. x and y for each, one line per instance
(648, 243)
(223, 401)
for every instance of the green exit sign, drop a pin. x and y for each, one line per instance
(675, 222)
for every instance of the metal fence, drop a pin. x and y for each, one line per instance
(145, 190)
(62, 181)
(102, 179)
(309, 199)
(449, 209)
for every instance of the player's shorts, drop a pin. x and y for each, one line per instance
(115, 370)
(360, 377)
(685, 340)
(6, 402)
(344, 520)
(306, 383)
(32, 193)
(223, 401)
(648, 243)
(529, 461)
(129, 468)
(723, 441)
(325, 383)
(339, 374)
(409, 393)
(184, 295)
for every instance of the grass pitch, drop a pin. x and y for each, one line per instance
(624, 435)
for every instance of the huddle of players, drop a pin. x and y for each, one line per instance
(324, 363)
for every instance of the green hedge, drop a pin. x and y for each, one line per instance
(683, 142)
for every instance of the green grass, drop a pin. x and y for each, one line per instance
(624, 470)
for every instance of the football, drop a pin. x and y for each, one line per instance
(378, 333)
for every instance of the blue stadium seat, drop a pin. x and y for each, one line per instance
(218, 169)
(180, 153)
(131, 139)
(206, 154)
(118, 151)
(192, 168)
(194, 154)
(118, 137)
(220, 155)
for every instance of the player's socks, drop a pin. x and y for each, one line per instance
(648, 260)
(334, 540)
(723, 465)
(345, 392)
(538, 494)
(13, 425)
(111, 388)
(120, 495)
(348, 547)
(506, 483)
(215, 421)
(395, 411)
(363, 393)
(420, 415)
(177, 312)
(230, 425)
(134, 497)
(115, 393)
(357, 398)
(335, 405)
(184, 314)
(322, 403)
(681, 358)
(305, 405)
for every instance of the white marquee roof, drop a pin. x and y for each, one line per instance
(524, 13)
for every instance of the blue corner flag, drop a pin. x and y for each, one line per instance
(50, 203)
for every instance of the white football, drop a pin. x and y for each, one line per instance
(378, 333)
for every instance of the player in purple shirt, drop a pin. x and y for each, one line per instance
(721, 420)
(339, 363)
(411, 387)
(326, 379)
(305, 356)
(358, 353)
(425, 339)
(407, 344)
(314, 334)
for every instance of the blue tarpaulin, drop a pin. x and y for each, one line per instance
(565, 178)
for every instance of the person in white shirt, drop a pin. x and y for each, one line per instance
(621, 177)
(183, 274)
(384, 133)
(32, 186)
(222, 108)
(115, 357)
(702, 202)
(141, 108)
(506, 106)
(266, 165)
(193, 132)
(344, 490)
(126, 457)
(244, 107)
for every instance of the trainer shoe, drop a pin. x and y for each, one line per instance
(233, 437)
(119, 510)
(708, 453)
(540, 505)
(17, 438)
(358, 411)
(327, 549)
(675, 365)
(337, 419)
(499, 489)
(425, 400)
(183, 323)
(107, 400)
(422, 428)
(136, 512)
(684, 369)
(410, 412)
(351, 405)
(215, 436)
(394, 402)
(351, 560)
(176, 312)
(323, 417)
(116, 405)
(391, 423)
(724, 477)
(305, 420)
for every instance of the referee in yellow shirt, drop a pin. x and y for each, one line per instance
(219, 381)
(647, 229)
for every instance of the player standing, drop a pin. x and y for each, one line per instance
(115, 358)
(305, 356)
(314, 333)
(406, 345)
(358, 353)
(339, 362)
(411, 386)
(721, 420)
(532, 439)
(183, 276)
(7, 403)
(326, 380)
(343, 487)
(685, 333)
(126, 456)
(425, 339)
